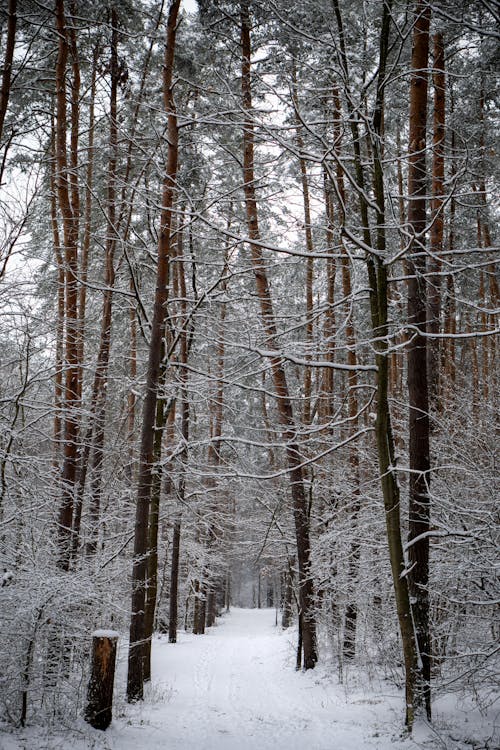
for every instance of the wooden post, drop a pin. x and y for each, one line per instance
(98, 711)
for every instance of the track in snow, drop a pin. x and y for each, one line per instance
(235, 688)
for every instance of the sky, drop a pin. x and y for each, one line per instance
(190, 5)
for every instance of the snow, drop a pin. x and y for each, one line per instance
(7, 578)
(235, 688)
(105, 634)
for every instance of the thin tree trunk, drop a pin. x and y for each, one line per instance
(436, 235)
(84, 446)
(107, 305)
(377, 276)
(309, 327)
(70, 235)
(174, 582)
(199, 614)
(286, 619)
(284, 404)
(329, 325)
(58, 377)
(448, 364)
(87, 221)
(214, 457)
(419, 448)
(183, 376)
(349, 645)
(131, 397)
(154, 517)
(139, 570)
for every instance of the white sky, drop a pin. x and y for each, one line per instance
(190, 5)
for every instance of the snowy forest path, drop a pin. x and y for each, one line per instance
(235, 688)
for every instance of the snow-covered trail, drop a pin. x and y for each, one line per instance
(235, 688)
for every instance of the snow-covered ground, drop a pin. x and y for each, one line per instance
(235, 689)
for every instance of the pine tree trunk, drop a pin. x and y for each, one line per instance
(7, 62)
(436, 235)
(58, 378)
(154, 516)
(309, 328)
(419, 448)
(286, 619)
(139, 570)
(174, 583)
(102, 366)
(300, 508)
(377, 277)
(351, 614)
(327, 389)
(66, 191)
(214, 448)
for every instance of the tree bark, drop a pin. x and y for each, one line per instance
(327, 388)
(309, 327)
(66, 191)
(419, 448)
(436, 234)
(377, 277)
(99, 708)
(7, 62)
(284, 404)
(58, 377)
(107, 304)
(139, 570)
(174, 583)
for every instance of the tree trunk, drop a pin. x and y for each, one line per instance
(139, 570)
(84, 446)
(419, 449)
(58, 378)
(153, 524)
(437, 204)
(326, 408)
(66, 191)
(377, 277)
(7, 62)
(309, 332)
(214, 448)
(174, 583)
(286, 619)
(284, 404)
(99, 708)
(107, 305)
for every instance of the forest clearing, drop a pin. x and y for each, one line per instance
(249, 336)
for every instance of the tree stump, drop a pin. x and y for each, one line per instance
(98, 711)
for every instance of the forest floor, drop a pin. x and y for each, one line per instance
(235, 688)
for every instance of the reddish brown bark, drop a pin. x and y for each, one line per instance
(58, 377)
(139, 571)
(7, 62)
(70, 239)
(419, 448)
